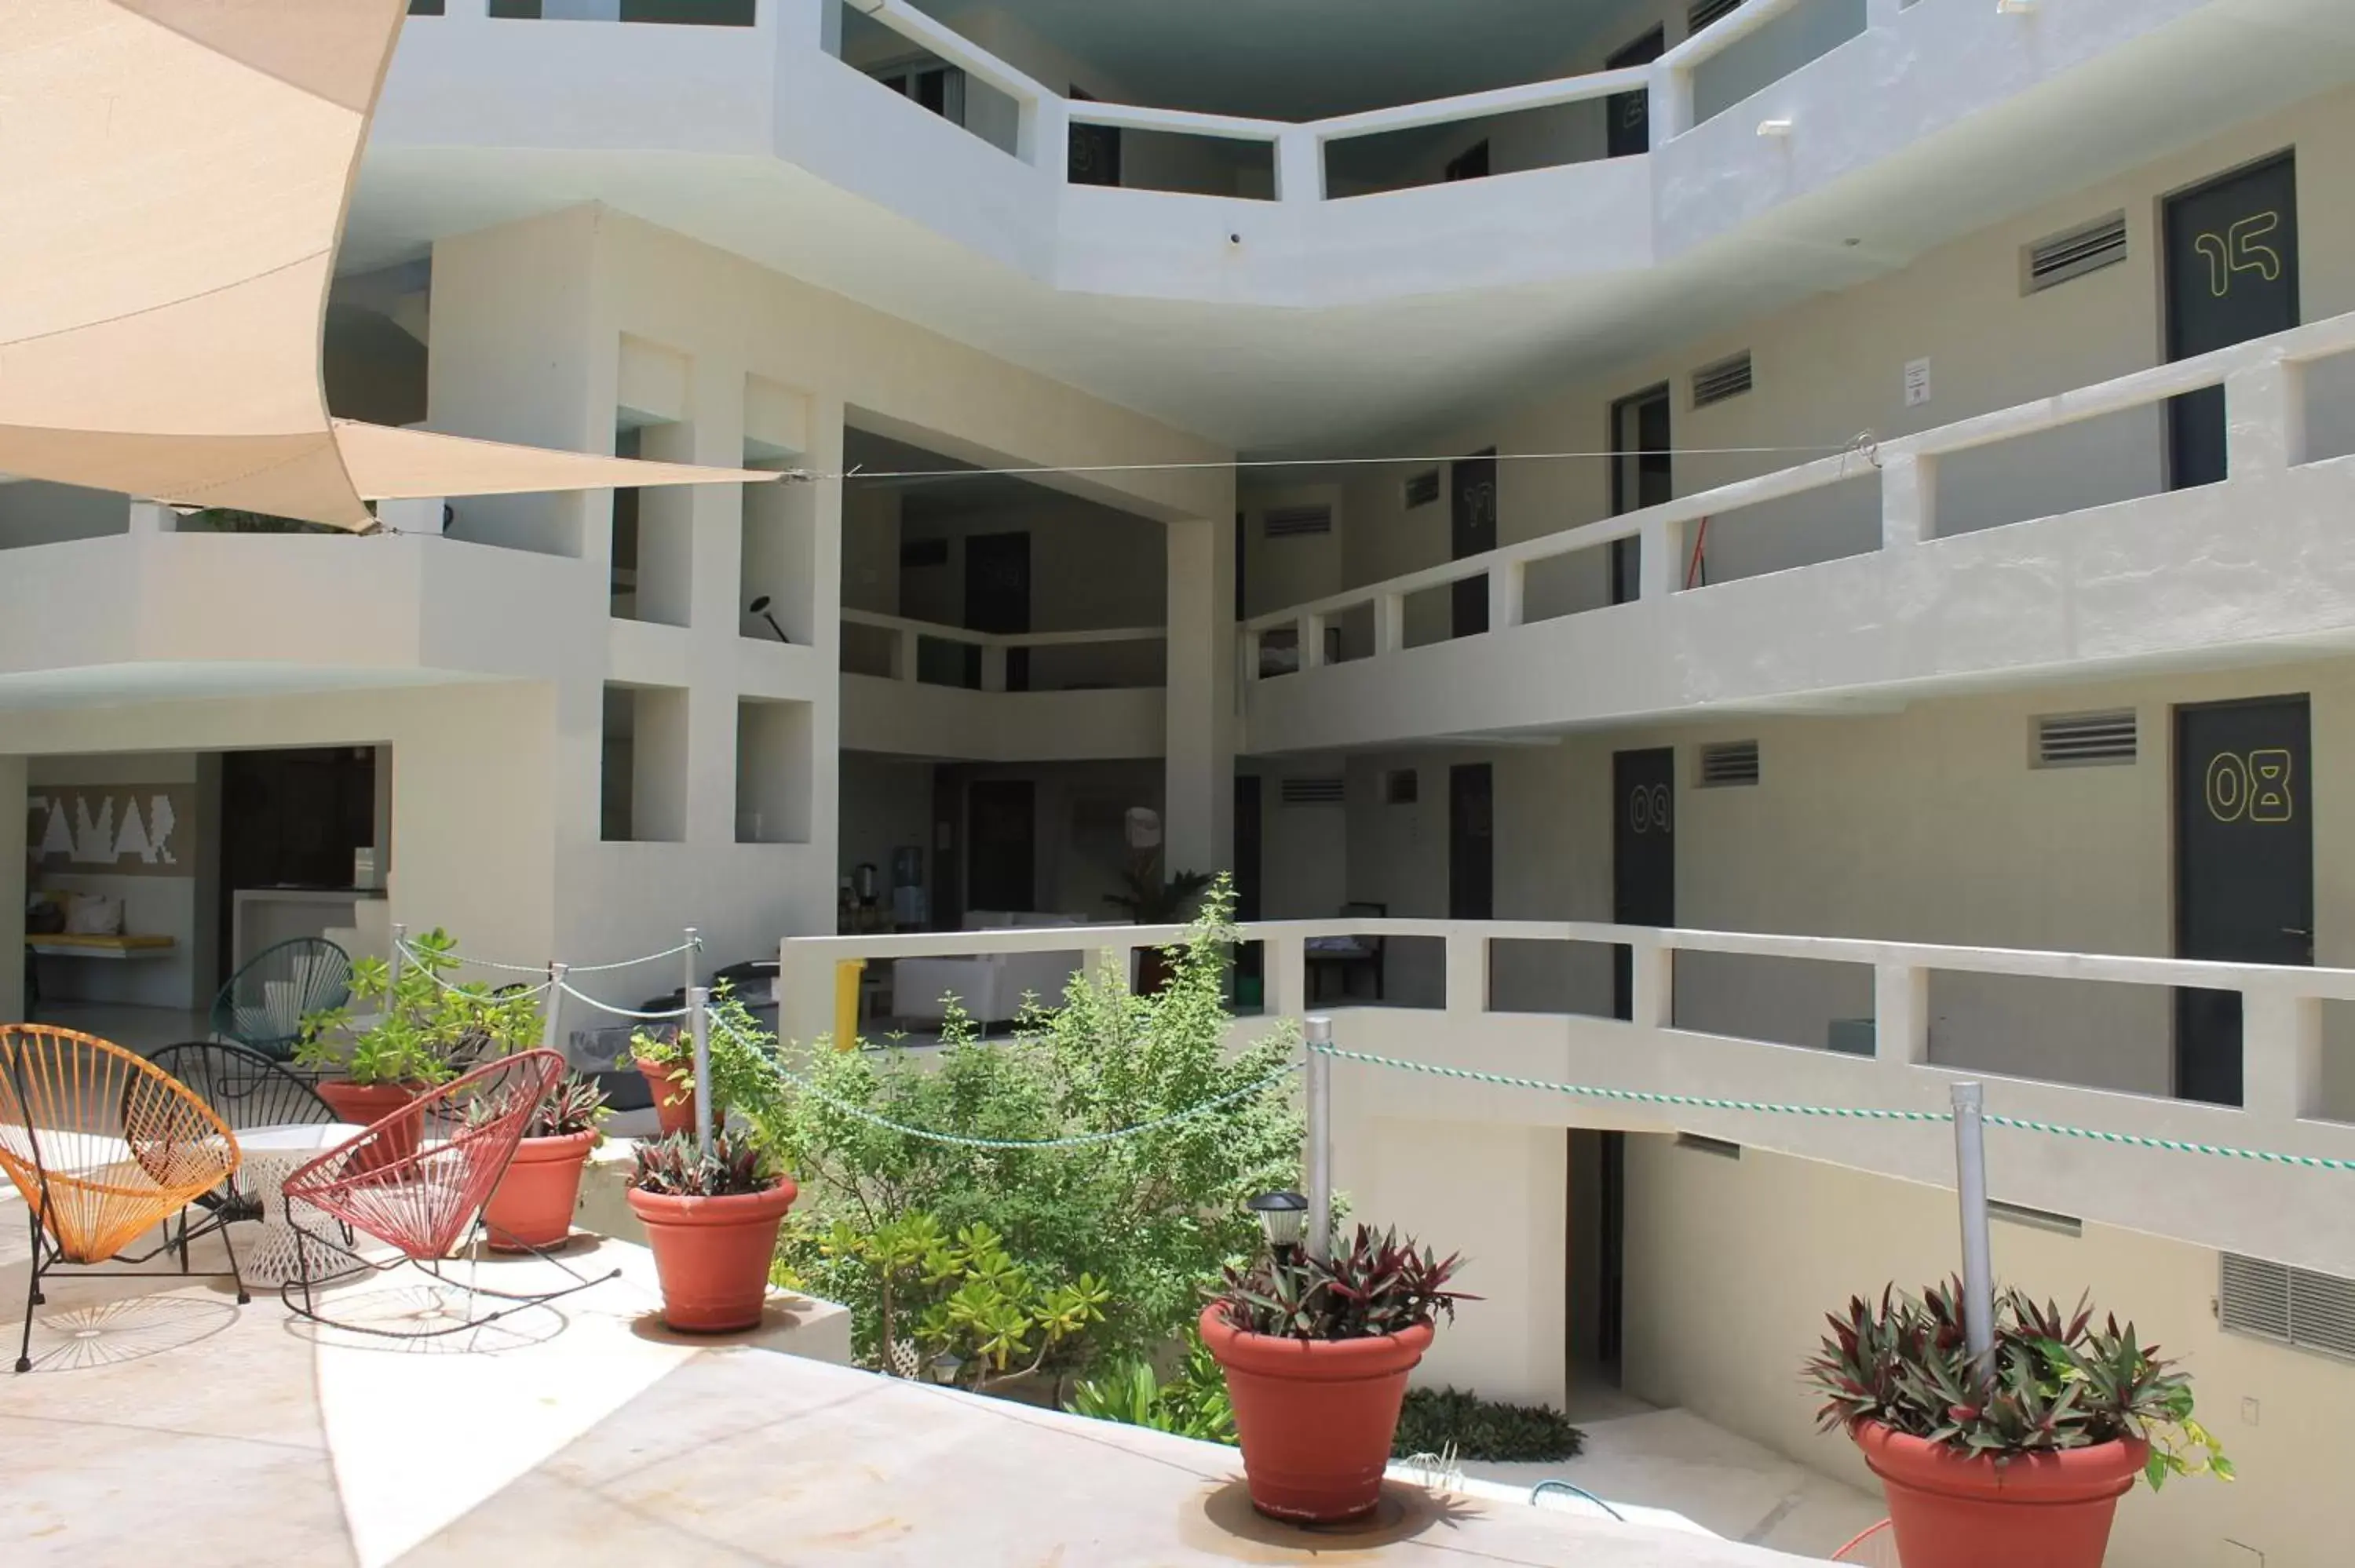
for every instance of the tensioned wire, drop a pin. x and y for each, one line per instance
(1851, 1113)
(962, 1140)
(466, 962)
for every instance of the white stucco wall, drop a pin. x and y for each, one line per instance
(1732, 1263)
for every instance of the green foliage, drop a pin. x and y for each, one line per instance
(1191, 1404)
(229, 520)
(676, 1166)
(1457, 1421)
(1150, 900)
(962, 1301)
(1378, 1286)
(1151, 1217)
(2056, 1382)
(576, 1105)
(426, 1030)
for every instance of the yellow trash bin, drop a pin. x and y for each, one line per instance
(846, 1002)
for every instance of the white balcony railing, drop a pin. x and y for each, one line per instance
(2276, 1209)
(906, 639)
(2266, 416)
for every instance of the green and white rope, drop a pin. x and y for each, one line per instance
(2172, 1145)
(964, 1140)
(1634, 1097)
(1853, 1113)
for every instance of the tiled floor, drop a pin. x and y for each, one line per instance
(142, 1029)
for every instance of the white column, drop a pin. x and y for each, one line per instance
(1467, 971)
(12, 889)
(1908, 500)
(2281, 1053)
(1659, 558)
(153, 518)
(1507, 593)
(1299, 165)
(1671, 103)
(1900, 1013)
(1652, 984)
(2264, 415)
(1043, 135)
(1199, 790)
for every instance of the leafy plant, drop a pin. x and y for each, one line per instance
(1153, 900)
(2050, 1381)
(1151, 1217)
(676, 1168)
(1191, 1403)
(1454, 1420)
(1378, 1286)
(576, 1105)
(425, 1029)
(962, 1300)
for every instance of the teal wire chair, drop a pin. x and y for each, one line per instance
(263, 1006)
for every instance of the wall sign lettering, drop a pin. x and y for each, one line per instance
(129, 830)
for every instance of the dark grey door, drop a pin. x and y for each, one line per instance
(998, 598)
(1471, 841)
(1002, 833)
(2232, 275)
(1643, 854)
(1628, 116)
(2244, 868)
(1095, 149)
(1640, 476)
(1472, 531)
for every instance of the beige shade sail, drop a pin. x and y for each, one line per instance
(175, 174)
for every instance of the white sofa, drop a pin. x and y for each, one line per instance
(990, 987)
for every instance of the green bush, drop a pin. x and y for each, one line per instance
(1192, 1403)
(1150, 1220)
(1482, 1428)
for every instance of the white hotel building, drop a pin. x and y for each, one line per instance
(1842, 583)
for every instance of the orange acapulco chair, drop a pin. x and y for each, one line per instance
(105, 1146)
(418, 1180)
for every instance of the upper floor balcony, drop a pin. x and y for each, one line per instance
(717, 130)
(916, 688)
(2016, 545)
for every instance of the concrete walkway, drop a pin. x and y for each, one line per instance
(170, 1424)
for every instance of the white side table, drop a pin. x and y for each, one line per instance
(271, 1155)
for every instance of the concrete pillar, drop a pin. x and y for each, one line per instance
(2281, 1053)
(12, 889)
(1900, 1013)
(1299, 165)
(1908, 500)
(2264, 412)
(1199, 790)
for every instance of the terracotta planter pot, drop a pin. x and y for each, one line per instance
(533, 1203)
(364, 1104)
(1315, 1416)
(712, 1254)
(1949, 1510)
(677, 1116)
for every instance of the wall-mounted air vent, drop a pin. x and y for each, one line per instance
(1697, 1144)
(2293, 1306)
(1314, 791)
(1422, 489)
(1729, 377)
(1401, 787)
(2074, 254)
(1293, 521)
(1729, 762)
(1701, 13)
(2083, 740)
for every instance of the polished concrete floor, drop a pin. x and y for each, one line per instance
(166, 1423)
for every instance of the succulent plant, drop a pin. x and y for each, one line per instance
(675, 1166)
(1377, 1286)
(575, 1105)
(2052, 1381)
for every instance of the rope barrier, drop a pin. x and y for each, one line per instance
(409, 951)
(962, 1140)
(619, 1012)
(455, 987)
(696, 946)
(1853, 1113)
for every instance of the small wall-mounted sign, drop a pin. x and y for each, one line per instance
(1917, 383)
(129, 830)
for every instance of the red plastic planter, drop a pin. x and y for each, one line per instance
(364, 1104)
(1952, 1509)
(712, 1254)
(533, 1203)
(676, 1117)
(1315, 1416)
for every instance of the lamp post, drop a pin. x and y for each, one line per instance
(1283, 1219)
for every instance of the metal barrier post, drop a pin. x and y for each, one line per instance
(1317, 1074)
(698, 1020)
(549, 1037)
(1979, 1253)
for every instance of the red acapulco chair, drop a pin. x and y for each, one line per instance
(416, 1181)
(1876, 1548)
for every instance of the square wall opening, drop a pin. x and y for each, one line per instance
(777, 584)
(652, 554)
(774, 765)
(642, 783)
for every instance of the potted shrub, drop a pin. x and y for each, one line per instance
(1316, 1352)
(533, 1204)
(2020, 1461)
(712, 1223)
(1150, 899)
(666, 1059)
(420, 1030)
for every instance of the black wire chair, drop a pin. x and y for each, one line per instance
(264, 1004)
(246, 1090)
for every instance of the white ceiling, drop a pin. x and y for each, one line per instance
(1306, 60)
